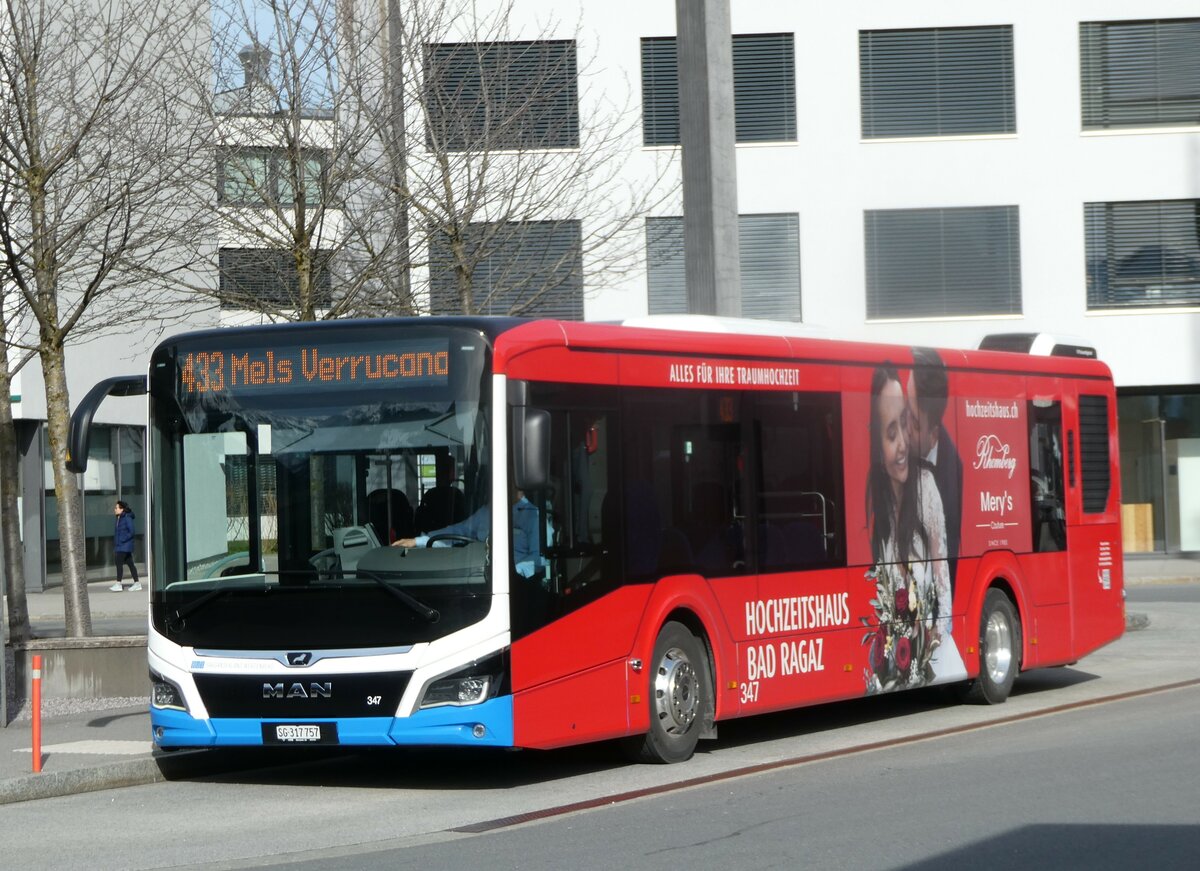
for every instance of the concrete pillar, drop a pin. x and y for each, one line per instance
(33, 506)
(706, 127)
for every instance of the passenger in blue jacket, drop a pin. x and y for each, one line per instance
(123, 546)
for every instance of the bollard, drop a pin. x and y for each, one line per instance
(37, 714)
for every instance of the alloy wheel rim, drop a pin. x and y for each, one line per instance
(676, 691)
(998, 647)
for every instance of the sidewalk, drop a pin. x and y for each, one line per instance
(124, 613)
(87, 744)
(104, 743)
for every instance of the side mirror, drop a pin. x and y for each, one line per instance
(81, 419)
(530, 447)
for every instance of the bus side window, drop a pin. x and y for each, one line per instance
(798, 481)
(683, 464)
(579, 546)
(1046, 489)
(577, 541)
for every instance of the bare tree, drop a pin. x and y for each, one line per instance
(303, 232)
(96, 138)
(418, 155)
(526, 166)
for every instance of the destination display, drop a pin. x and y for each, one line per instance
(317, 366)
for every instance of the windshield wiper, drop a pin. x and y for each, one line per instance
(430, 614)
(175, 619)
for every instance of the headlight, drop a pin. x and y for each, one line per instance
(165, 694)
(457, 691)
(476, 683)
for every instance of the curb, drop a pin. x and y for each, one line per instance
(130, 772)
(1165, 580)
(158, 767)
(155, 768)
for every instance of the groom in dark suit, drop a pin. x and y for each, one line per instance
(928, 393)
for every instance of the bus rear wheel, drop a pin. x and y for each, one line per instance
(999, 651)
(680, 696)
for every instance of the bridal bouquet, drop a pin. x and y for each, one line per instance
(902, 639)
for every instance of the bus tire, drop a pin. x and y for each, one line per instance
(680, 693)
(999, 651)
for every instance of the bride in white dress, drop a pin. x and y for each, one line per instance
(903, 505)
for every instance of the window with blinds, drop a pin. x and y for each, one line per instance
(947, 81)
(943, 262)
(764, 88)
(769, 265)
(1140, 73)
(529, 268)
(1143, 253)
(253, 278)
(501, 96)
(1093, 453)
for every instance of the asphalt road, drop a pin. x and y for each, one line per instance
(1110, 787)
(1078, 759)
(1104, 786)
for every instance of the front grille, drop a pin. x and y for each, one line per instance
(296, 696)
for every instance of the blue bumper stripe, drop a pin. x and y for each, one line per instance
(436, 726)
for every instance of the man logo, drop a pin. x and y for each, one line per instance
(299, 658)
(298, 691)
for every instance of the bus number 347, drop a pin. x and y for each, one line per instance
(749, 692)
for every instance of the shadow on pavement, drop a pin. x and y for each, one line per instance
(1075, 846)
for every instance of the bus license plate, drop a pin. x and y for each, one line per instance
(298, 734)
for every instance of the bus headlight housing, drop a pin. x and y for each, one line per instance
(165, 694)
(476, 683)
(469, 690)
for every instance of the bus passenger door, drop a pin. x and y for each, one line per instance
(799, 631)
(1093, 527)
(1045, 568)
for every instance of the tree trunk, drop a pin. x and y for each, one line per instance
(10, 517)
(398, 151)
(304, 273)
(66, 487)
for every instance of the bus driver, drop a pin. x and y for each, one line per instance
(527, 544)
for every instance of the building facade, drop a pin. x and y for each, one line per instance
(922, 173)
(931, 173)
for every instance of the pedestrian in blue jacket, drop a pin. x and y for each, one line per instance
(123, 546)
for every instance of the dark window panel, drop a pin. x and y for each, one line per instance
(501, 96)
(1143, 254)
(1140, 73)
(253, 278)
(937, 82)
(665, 279)
(768, 262)
(764, 88)
(943, 262)
(530, 268)
(262, 176)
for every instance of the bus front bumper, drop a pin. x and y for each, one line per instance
(489, 724)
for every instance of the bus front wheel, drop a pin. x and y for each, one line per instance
(999, 651)
(680, 693)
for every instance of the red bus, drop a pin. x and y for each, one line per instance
(696, 526)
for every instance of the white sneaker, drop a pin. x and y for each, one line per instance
(137, 585)
(116, 588)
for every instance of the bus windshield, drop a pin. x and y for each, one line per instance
(285, 462)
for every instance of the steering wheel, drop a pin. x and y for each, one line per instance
(455, 539)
